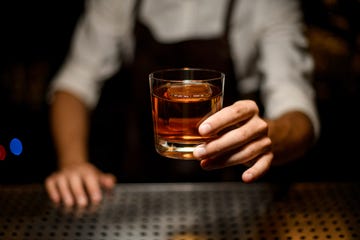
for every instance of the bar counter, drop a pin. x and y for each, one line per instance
(188, 211)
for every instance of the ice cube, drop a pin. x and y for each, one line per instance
(188, 91)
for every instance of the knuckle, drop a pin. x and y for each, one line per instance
(263, 125)
(247, 107)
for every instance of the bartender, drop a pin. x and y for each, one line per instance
(100, 103)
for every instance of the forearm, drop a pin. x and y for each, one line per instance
(69, 125)
(292, 135)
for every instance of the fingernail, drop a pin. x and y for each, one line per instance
(199, 151)
(247, 177)
(96, 197)
(82, 201)
(204, 129)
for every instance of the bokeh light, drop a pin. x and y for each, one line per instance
(2, 152)
(16, 146)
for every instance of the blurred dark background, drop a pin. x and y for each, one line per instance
(35, 37)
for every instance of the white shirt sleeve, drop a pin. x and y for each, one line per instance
(282, 68)
(98, 43)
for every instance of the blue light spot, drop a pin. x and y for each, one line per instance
(16, 146)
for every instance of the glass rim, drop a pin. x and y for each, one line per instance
(221, 75)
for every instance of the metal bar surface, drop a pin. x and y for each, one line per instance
(188, 211)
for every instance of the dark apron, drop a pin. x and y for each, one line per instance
(138, 160)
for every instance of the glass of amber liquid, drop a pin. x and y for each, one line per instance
(181, 99)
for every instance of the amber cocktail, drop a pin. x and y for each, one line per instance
(181, 99)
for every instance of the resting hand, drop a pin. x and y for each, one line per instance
(243, 139)
(78, 184)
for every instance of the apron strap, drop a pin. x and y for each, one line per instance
(228, 17)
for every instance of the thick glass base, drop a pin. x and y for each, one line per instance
(182, 151)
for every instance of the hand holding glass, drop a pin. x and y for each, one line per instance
(181, 99)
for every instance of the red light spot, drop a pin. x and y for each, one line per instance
(2, 152)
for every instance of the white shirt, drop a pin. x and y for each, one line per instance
(269, 30)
